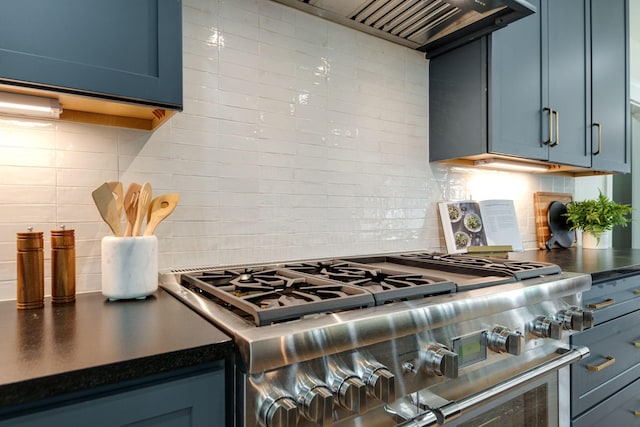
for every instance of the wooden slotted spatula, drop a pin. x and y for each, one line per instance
(144, 198)
(106, 204)
(131, 206)
(160, 208)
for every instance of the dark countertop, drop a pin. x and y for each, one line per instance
(581, 260)
(96, 342)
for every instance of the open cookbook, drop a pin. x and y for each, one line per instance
(479, 223)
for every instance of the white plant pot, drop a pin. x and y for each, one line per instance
(589, 241)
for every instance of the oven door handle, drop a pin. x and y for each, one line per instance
(451, 410)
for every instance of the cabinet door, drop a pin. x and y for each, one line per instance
(458, 102)
(610, 96)
(191, 401)
(515, 95)
(118, 49)
(565, 53)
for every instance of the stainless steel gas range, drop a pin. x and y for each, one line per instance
(411, 339)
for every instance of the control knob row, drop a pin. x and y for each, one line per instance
(315, 400)
(571, 319)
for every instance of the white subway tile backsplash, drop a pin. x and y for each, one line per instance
(29, 214)
(27, 176)
(299, 138)
(27, 133)
(26, 156)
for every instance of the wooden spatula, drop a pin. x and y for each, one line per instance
(131, 206)
(118, 194)
(106, 204)
(144, 198)
(160, 208)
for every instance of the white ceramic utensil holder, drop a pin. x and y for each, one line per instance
(129, 266)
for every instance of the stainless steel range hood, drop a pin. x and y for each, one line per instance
(431, 26)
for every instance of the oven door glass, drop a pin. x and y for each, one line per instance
(533, 405)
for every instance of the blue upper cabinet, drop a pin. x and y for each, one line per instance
(552, 88)
(118, 50)
(610, 125)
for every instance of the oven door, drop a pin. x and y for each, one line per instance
(536, 397)
(533, 405)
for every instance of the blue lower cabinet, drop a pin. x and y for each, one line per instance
(621, 409)
(196, 400)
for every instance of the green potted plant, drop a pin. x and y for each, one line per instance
(596, 218)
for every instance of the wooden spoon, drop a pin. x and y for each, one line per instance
(144, 198)
(160, 208)
(131, 206)
(106, 204)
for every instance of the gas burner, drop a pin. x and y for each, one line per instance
(334, 270)
(299, 295)
(247, 281)
(385, 285)
(274, 295)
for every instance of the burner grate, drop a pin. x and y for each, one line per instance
(520, 270)
(385, 285)
(275, 295)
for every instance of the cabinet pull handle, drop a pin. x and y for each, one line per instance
(636, 344)
(636, 413)
(595, 153)
(637, 292)
(557, 141)
(603, 304)
(550, 140)
(610, 361)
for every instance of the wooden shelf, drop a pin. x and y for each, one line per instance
(100, 111)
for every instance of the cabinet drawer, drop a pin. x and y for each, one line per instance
(618, 410)
(613, 298)
(596, 377)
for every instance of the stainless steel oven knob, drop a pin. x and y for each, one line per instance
(279, 410)
(380, 383)
(587, 318)
(504, 340)
(352, 394)
(436, 359)
(316, 405)
(545, 327)
(571, 320)
(349, 390)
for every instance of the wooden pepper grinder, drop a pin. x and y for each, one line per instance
(63, 266)
(30, 257)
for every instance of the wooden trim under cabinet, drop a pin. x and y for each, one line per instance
(100, 111)
(553, 168)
